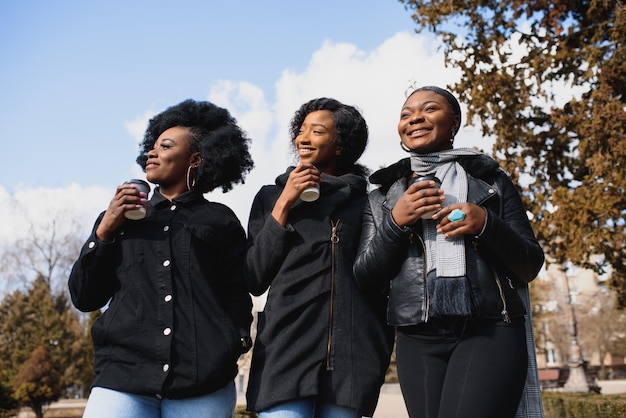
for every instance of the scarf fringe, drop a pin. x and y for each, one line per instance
(449, 296)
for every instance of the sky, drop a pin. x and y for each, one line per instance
(80, 79)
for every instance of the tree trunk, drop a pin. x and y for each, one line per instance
(38, 410)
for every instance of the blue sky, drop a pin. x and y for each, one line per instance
(80, 79)
(73, 71)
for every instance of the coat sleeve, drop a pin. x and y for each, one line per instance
(268, 243)
(92, 280)
(382, 248)
(234, 294)
(508, 237)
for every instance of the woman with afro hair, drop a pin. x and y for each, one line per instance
(322, 346)
(178, 314)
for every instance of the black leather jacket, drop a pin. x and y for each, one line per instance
(507, 254)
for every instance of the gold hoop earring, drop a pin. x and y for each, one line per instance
(404, 147)
(190, 182)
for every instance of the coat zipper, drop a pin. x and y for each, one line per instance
(334, 239)
(505, 312)
(426, 295)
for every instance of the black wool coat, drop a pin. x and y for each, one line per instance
(319, 335)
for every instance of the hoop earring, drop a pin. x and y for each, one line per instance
(404, 147)
(190, 182)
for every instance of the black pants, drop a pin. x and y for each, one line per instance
(462, 368)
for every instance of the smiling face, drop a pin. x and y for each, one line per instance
(169, 160)
(427, 122)
(316, 141)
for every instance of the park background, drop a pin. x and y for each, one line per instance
(79, 81)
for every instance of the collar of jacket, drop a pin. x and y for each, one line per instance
(479, 166)
(393, 179)
(356, 183)
(158, 199)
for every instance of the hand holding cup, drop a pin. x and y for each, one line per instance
(139, 212)
(311, 193)
(427, 215)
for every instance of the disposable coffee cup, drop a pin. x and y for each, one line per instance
(310, 194)
(427, 215)
(139, 213)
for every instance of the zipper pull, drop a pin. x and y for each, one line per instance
(506, 317)
(334, 238)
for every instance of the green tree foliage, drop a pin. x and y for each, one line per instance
(547, 79)
(7, 402)
(37, 383)
(35, 318)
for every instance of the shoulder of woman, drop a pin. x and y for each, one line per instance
(480, 166)
(386, 176)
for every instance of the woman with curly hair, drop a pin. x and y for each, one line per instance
(179, 314)
(322, 346)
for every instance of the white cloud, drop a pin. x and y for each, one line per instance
(373, 81)
(38, 207)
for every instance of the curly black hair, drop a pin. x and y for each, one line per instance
(351, 129)
(222, 144)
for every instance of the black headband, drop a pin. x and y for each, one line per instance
(454, 103)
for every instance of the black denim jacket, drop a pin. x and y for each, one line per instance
(177, 303)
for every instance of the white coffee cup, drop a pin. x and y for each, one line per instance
(310, 194)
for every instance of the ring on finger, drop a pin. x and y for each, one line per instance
(456, 215)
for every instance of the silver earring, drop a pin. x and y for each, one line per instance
(453, 133)
(404, 147)
(190, 182)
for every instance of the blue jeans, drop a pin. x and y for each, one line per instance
(107, 403)
(309, 408)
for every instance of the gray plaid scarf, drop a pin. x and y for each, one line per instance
(446, 257)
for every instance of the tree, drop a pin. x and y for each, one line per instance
(7, 402)
(39, 311)
(37, 318)
(47, 252)
(602, 328)
(517, 57)
(550, 317)
(38, 382)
